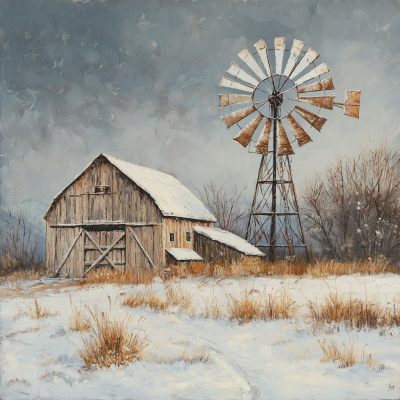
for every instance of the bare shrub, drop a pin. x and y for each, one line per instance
(347, 354)
(256, 305)
(109, 339)
(77, 320)
(108, 275)
(352, 210)
(20, 242)
(226, 205)
(38, 311)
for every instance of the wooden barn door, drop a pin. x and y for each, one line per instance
(104, 249)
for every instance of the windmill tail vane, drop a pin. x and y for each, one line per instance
(273, 105)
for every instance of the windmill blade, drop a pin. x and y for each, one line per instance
(235, 70)
(326, 84)
(297, 47)
(229, 83)
(319, 101)
(314, 120)
(317, 71)
(251, 62)
(352, 103)
(284, 146)
(299, 133)
(229, 99)
(262, 144)
(247, 132)
(307, 59)
(263, 53)
(279, 51)
(237, 116)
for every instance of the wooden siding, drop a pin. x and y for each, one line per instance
(212, 251)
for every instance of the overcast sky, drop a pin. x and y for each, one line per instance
(139, 80)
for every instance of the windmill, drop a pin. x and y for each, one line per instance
(279, 105)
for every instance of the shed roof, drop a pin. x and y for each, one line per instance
(172, 198)
(230, 240)
(184, 254)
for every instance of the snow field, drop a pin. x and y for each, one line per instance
(277, 359)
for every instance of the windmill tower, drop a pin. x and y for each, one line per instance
(274, 223)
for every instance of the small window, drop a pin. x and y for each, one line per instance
(102, 189)
(188, 236)
(172, 237)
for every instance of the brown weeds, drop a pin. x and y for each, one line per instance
(212, 309)
(108, 275)
(38, 311)
(179, 295)
(256, 305)
(77, 320)
(354, 313)
(109, 339)
(347, 355)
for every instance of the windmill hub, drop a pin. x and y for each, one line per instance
(276, 98)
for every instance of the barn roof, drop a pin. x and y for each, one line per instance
(172, 198)
(184, 254)
(229, 239)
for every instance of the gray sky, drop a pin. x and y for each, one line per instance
(139, 80)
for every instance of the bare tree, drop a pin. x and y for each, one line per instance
(227, 205)
(352, 211)
(19, 242)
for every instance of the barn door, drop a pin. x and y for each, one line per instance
(104, 249)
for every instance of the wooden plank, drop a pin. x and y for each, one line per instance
(68, 252)
(141, 247)
(103, 254)
(108, 223)
(121, 247)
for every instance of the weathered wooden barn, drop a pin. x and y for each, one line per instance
(126, 216)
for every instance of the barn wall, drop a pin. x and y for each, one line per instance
(126, 202)
(179, 227)
(212, 251)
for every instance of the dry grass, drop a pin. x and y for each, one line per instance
(108, 275)
(212, 309)
(109, 339)
(77, 320)
(256, 305)
(179, 295)
(38, 311)
(188, 356)
(27, 330)
(284, 269)
(347, 354)
(354, 313)
(19, 276)
(48, 361)
(147, 298)
(49, 375)
(17, 382)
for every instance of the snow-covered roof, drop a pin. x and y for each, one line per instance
(230, 240)
(172, 198)
(184, 254)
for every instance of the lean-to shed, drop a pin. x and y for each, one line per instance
(119, 214)
(216, 245)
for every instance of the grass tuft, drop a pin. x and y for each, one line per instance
(212, 309)
(38, 311)
(109, 339)
(108, 275)
(77, 320)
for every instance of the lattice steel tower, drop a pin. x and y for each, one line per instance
(274, 223)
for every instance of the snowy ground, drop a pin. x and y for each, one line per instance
(259, 360)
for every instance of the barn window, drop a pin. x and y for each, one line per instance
(172, 237)
(188, 238)
(102, 189)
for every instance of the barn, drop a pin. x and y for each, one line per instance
(122, 215)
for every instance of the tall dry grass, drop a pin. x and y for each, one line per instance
(108, 275)
(347, 354)
(179, 296)
(15, 277)
(36, 310)
(77, 321)
(110, 340)
(354, 313)
(256, 305)
(284, 268)
(146, 298)
(212, 309)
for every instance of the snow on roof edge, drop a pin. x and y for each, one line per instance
(184, 254)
